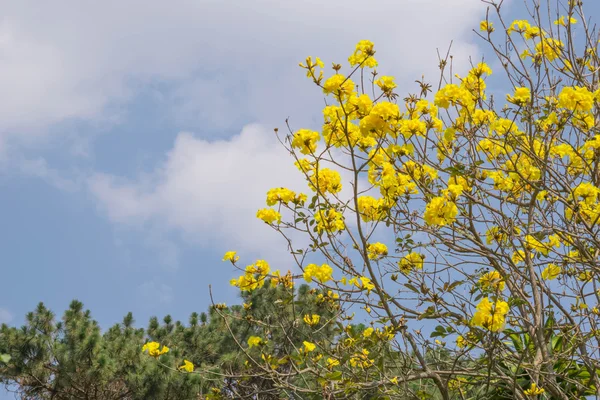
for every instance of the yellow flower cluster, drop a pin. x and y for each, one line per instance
(533, 391)
(329, 221)
(522, 96)
(363, 55)
(411, 261)
(325, 181)
(371, 209)
(254, 276)
(268, 215)
(306, 141)
(254, 341)
(552, 271)
(361, 282)
(187, 366)
(321, 273)
(490, 315)
(312, 320)
(284, 196)
(376, 251)
(440, 211)
(361, 359)
(492, 281)
(154, 350)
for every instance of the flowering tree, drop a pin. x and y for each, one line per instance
(462, 227)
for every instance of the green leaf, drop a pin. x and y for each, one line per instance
(334, 376)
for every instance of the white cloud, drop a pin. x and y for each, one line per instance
(225, 62)
(5, 316)
(214, 65)
(208, 191)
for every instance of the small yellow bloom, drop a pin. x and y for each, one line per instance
(533, 391)
(521, 97)
(368, 332)
(322, 273)
(490, 315)
(386, 83)
(363, 55)
(231, 256)
(492, 280)
(486, 26)
(187, 366)
(254, 341)
(561, 21)
(552, 271)
(411, 261)
(332, 362)
(306, 141)
(269, 215)
(308, 346)
(312, 320)
(376, 251)
(154, 349)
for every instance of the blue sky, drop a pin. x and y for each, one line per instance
(136, 138)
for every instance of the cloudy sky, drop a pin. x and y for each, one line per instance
(136, 137)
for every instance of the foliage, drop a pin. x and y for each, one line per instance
(462, 224)
(72, 358)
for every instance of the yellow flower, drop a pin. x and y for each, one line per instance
(371, 209)
(411, 261)
(386, 83)
(486, 26)
(376, 251)
(585, 276)
(518, 256)
(254, 341)
(561, 21)
(326, 180)
(306, 141)
(363, 55)
(312, 320)
(269, 215)
(533, 390)
(368, 332)
(259, 267)
(520, 26)
(533, 244)
(187, 366)
(231, 256)
(248, 281)
(522, 96)
(280, 195)
(576, 98)
(322, 273)
(461, 342)
(339, 85)
(549, 48)
(492, 280)
(309, 347)
(365, 284)
(332, 362)
(490, 315)
(440, 211)
(154, 349)
(329, 221)
(552, 271)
